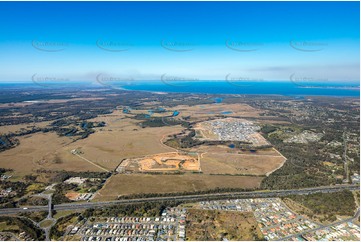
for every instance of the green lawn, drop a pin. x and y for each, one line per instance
(4, 227)
(46, 223)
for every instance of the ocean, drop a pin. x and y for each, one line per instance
(339, 89)
(263, 88)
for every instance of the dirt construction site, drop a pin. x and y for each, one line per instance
(163, 162)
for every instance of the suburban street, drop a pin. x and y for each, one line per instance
(356, 215)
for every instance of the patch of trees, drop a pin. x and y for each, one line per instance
(92, 185)
(159, 122)
(268, 129)
(303, 167)
(7, 202)
(163, 173)
(24, 225)
(82, 109)
(228, 174)
(61, 188)
(17, 186)
(33, 201)
(23, 132)
(60, 191)
(328, 204)
(188, 140)
(67, 131)
(59, 228)
(35, 216)
(3, 170)
(296, 180)
(30, 178)
(62, 122)
(60, 176)
(172, 194)
(149, 209)
(7, 142)
(184, 141)
(86, 128)
(18, 189)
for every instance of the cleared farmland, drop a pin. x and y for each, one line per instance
(231, 163)
(38, 151)
(125, 184)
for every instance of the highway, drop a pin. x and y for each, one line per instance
(185, 198)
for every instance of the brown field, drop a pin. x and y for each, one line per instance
(172, 161)
(210, 225)
(231, 163)
(204, 132)
(123, 139)
(38, 151)
(120, 139)
(125, 184)
(72, 195)
(18, 127)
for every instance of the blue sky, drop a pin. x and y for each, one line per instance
(195, 40)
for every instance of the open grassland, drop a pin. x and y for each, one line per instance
(46, 223)
(231, 163)
(4, 226)
(122, 139)
(16, 128)
(59, 214)
(209, 225)
(126, 184)
(38, 151)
